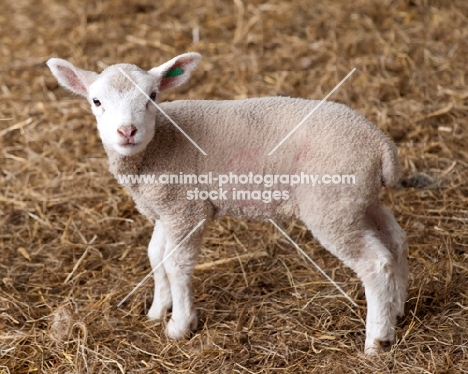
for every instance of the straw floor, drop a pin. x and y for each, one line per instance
(72, 244)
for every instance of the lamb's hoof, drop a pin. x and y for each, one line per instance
(157, 311)
(377, 347)
(401, 312)
(180, 330)
(400, 317)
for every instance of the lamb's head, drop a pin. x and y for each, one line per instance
(123, 97)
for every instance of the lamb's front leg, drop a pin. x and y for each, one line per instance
(162, 300)
(179, 268)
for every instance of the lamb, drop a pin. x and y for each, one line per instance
(237, 135)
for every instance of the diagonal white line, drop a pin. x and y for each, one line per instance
(313, 262)
(158, 265)
(311, 112)
(163, 112)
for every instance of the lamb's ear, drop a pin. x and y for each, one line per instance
(69, 76)
(176, 71)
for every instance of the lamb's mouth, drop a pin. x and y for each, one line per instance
(126, 145)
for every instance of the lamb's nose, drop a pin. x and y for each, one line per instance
(128, 132)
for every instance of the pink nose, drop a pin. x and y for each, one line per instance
(128, 132)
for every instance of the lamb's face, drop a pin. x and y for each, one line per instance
(125, 115)
(122, 97)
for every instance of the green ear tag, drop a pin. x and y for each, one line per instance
(174, 72)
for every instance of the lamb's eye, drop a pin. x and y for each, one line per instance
(96, 102)
(153, 95)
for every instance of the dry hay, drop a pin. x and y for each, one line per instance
(73, 244)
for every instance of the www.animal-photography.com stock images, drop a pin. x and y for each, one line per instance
(232, 186)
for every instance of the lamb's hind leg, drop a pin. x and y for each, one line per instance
(394, 238)
(379, 273)
(162, 299)
(359, 247)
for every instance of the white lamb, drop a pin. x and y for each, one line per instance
(237, 136)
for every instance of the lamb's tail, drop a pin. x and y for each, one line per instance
(390, 163)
